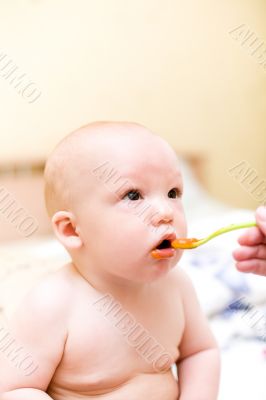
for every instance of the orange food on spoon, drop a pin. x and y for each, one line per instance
(184, 243)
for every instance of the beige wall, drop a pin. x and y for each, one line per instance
(170, 65)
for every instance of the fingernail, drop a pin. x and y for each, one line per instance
(261, 212)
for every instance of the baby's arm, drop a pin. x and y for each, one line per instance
(37, 335)
(199, 362)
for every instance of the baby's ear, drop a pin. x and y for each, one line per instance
(64, 225)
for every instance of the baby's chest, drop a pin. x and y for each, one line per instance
(107, 342)
(105, 330)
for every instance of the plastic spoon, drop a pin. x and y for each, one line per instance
(186, 243)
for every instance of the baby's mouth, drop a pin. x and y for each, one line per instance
(163, 250)
(165, 244)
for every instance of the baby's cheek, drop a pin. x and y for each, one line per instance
(182, 224)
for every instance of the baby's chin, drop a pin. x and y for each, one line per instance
(153, 271)
(162, 267)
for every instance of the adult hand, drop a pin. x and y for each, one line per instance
(251, 256)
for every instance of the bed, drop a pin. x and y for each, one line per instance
(234, 303)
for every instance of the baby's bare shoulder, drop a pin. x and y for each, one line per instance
(45, 308)
(50, 295)
(40, 326)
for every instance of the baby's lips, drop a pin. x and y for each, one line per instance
(163, 253)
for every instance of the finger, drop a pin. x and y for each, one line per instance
(261, 219)
(248, 252)
(255, 266)
(252, 237)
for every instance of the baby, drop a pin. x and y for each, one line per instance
(113, 322)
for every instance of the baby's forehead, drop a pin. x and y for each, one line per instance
(135, 152)
(128, 148)
(133, 161)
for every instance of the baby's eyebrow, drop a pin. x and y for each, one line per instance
(133, 177)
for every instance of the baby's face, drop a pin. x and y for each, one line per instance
(129, 200)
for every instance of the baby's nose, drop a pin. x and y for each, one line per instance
(162, 214)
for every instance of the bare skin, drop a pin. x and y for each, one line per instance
(84, 354)
(81, 350)
(251, 256)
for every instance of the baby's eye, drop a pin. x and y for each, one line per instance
(174, 193)
(133, 195)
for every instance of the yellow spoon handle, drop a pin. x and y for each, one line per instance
(193, 243)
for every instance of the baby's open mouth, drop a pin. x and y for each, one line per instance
(163, 250)
(165, 244)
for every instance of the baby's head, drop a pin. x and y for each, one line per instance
(113, 192)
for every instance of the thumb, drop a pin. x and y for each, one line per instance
(261, 218)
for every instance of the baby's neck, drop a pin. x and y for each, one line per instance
(121, 289)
